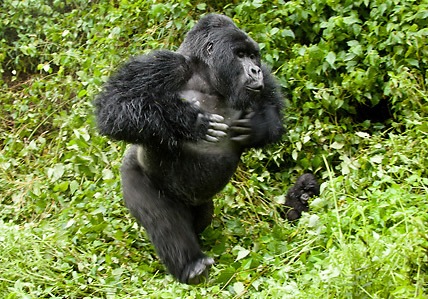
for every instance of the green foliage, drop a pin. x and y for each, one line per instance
(334, 55)
(64, 231)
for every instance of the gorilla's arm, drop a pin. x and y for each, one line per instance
(264, 124)
(141, 102)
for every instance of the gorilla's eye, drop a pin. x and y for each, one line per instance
(252, 56)
(240, 54)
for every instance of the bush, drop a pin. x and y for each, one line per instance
(335, 55)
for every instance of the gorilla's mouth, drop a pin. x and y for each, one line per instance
(254, 89)
(255, 86)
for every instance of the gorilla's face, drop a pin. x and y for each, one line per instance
(235, 63)
(306, 187)
(232, 57)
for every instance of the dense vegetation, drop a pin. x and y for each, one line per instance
(355, 76)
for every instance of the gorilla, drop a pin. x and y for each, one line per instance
(306, 186)
(189, 115)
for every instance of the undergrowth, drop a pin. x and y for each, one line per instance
(354, 76)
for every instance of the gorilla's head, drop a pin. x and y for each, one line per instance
(232, 57)
(306, 186)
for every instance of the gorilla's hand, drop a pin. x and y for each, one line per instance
(242, 129)
(217, 129)
(258, 127)
(304, 198)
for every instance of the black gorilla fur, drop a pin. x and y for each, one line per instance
(306, 186)
(189, 115)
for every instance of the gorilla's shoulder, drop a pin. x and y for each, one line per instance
(163, 57)
(159, 69)
(158, 62)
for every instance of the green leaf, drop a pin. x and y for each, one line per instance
(82, 93)
(362, 134)
(337, 145)
(377, 159)
(242, 253)
(331, 58)
(413, 62)
(287, 33)
(201, 6)
(313, 221)
(74, 186)
(294, 155)
(62, 187)
(107, 174)
(56, 172)
(239, 288)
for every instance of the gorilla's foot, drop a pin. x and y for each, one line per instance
(197, 271)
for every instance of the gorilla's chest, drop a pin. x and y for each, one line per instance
(212, 104)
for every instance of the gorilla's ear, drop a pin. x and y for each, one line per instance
(209, 48)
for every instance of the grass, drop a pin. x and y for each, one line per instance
(365, 236)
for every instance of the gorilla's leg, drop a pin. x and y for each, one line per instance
(202, 216)
(168, 223)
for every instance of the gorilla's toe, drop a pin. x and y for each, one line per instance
(197, 272)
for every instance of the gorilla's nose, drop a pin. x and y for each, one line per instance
(256, 78)
(255, 73)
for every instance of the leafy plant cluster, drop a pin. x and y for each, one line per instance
(354, 74)
(342, 62)
(336, 54)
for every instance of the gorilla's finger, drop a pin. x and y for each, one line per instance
(219, 126)
(249, 115)
(242, 122)
(241, 130)
(216, 133)
(304, 197)
(216, 118)
(211, 138)
(240, 138)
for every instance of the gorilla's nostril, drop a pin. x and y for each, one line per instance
(255, 71)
